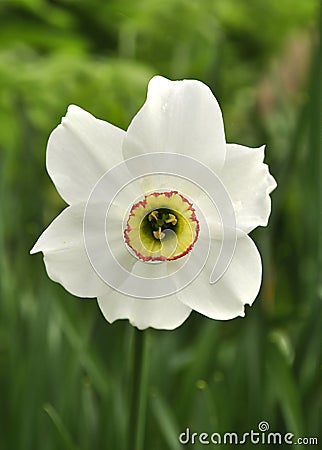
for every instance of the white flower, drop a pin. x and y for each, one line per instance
(154, 224)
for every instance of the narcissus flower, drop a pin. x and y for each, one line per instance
(156, 225)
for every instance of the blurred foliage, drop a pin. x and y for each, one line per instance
(63, 369)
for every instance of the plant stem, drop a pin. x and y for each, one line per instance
(138, 394)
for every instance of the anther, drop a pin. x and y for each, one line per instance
(172, 219)
(153, 215)
(159, 234)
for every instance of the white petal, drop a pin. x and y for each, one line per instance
(249, 184)
(166, 313)
(170, 182)
(237, 287)
(65, 255)
(179, 117)
(79, 151)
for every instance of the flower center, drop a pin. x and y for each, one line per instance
(160, 220)
(163, 226)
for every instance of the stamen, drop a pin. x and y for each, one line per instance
(172, 219)
(153, 215)
(159, 234)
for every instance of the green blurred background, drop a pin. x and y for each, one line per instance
(63, 369)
